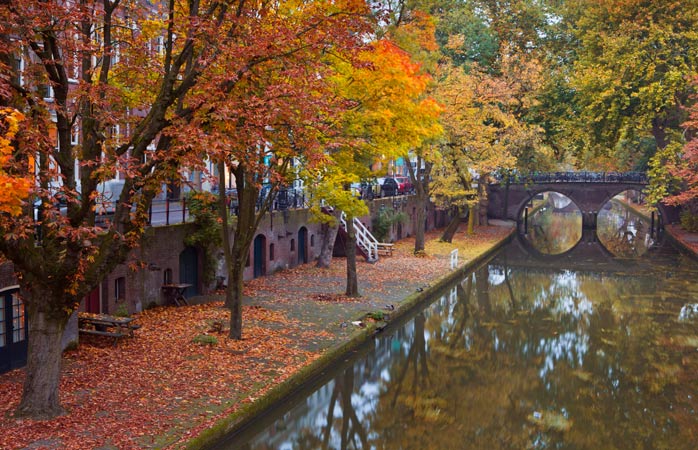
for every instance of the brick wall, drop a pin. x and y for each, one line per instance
(143, 275)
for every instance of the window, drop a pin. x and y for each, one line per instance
(75, 135)
(120, 288)
(312, 240)
(271, 252)
(18, 324)
(3, 329)
(167, 276)
(293, 245)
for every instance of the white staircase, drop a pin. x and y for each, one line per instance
(364, 239)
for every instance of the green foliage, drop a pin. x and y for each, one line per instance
(385, 219)
(121, 310)
(689, 221)
(205, 339)
(662, 182)
(207, 233)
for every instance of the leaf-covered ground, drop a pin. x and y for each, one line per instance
(161, 388)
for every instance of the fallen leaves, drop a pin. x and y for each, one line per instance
(146, 385)
(160, 388)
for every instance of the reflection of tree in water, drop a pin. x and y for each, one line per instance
(622, 231)
(536, 361)
(341, 417)
(525, 358)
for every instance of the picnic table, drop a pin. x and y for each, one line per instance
(175, 293)
(385, 249)
(106, 325)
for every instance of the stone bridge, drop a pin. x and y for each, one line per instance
(588, 190)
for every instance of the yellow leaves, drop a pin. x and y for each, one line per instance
(13, 189)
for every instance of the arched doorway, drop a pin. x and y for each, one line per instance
(302, 245)
(260, 263)
(189, 270)
(14, 332)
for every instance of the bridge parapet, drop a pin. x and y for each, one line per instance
(572, 177)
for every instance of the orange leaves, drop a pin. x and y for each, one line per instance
(13, 188)
(160, 379)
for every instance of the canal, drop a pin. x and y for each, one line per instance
(589, 349)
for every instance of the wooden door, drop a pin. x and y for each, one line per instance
(302, 245)
(92, 304)
(189, 271)
(258, 253)
(13, 331)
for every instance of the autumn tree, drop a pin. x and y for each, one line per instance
(414, 32)
(630, 76)
(388, 115)
(126, 78)
(272, 110)
(674, 171)
(475, 139)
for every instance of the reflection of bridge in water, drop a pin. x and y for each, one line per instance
(589, 191)
(588, 255)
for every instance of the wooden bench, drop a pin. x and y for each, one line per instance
(105, 325)
(385, 249)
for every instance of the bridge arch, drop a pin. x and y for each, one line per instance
(589, 191)
(533, 193)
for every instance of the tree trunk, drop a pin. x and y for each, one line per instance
(452, 227)
(233, 299)
(420, 226)
(471, 219)
(245, 228)
(484, 200)
(329, 236)
(40, 398)
(352, 277)
(421, 186)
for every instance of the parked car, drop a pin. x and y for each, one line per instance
(404, 185)
(389, 187)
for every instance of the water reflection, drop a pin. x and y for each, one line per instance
(554, 223)
(519, 355)
(623, 228)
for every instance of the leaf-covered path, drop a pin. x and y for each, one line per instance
(161, 388)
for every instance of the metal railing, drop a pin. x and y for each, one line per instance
(364, 238)
(572, 177)
(170, 212)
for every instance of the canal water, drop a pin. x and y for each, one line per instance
(578, 350)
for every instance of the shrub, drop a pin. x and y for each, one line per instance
(121, 310)
(689, 221)
(385, 219)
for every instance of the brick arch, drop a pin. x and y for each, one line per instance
(533, 193)
(509, 202)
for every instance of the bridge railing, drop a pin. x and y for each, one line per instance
(571, 177)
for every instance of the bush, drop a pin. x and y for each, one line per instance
(385, 219)
(689, 221)
(121, 310)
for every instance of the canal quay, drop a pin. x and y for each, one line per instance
(559, 339)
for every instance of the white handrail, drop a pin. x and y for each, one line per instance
(364, 238)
